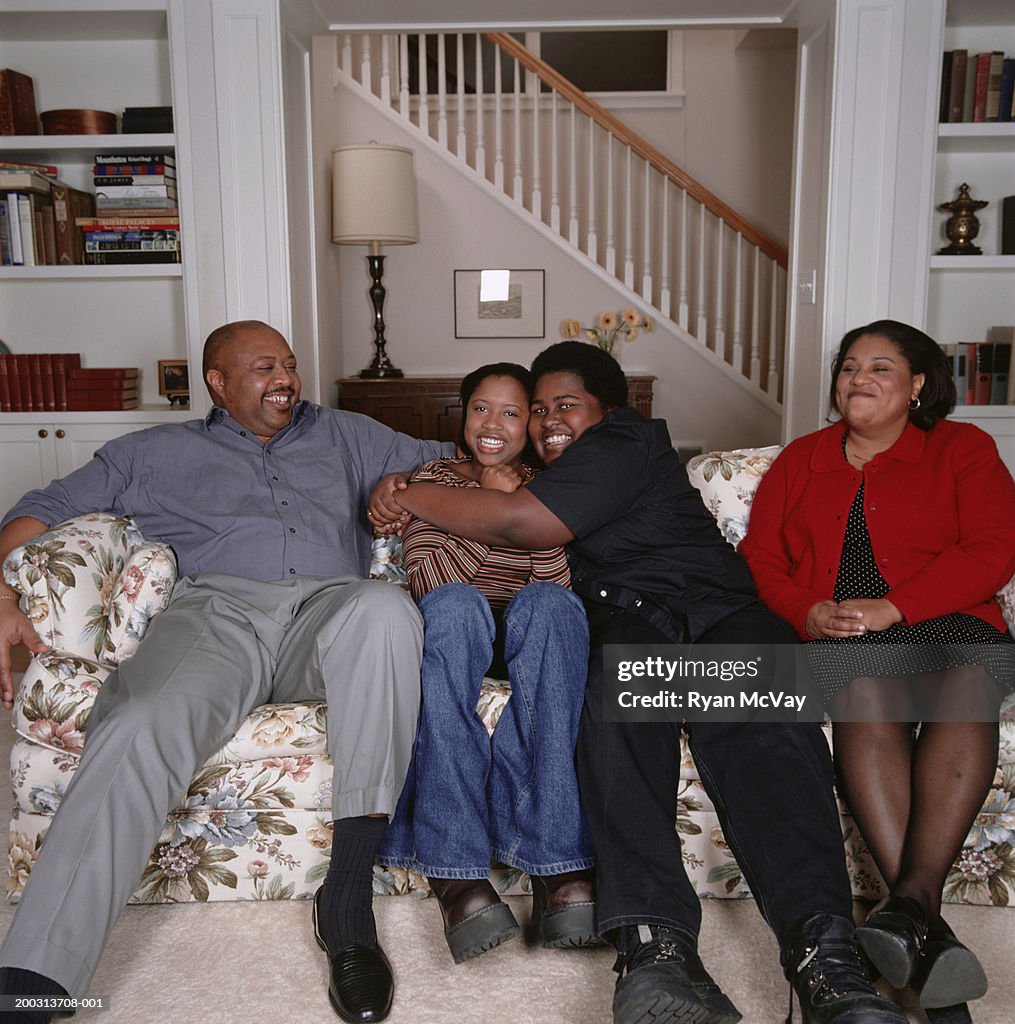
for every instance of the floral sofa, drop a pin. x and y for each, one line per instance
(255, 822)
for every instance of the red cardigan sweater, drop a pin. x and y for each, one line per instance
(940, 509)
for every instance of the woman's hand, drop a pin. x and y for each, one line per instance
(384, 511)
(828, 618)
(876, 614)
(15, 628)
(500, 478)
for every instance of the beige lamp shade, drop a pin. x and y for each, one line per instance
(373, 195)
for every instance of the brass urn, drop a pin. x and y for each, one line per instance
(963, 225)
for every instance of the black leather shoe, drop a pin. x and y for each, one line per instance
(827, 974)
(360, 985)
(893, 936)
(947, 973)
(475, 919)
(564, 909)
(662, 981)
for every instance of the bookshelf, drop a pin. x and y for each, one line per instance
(968, 294)
(104, 55)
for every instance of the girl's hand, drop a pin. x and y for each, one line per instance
(500, 478)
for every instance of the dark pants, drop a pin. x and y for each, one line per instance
(770, 783)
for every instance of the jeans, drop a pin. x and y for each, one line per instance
(770, 783)
(513, 797)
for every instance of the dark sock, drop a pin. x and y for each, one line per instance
(16, 981)
(345, 914)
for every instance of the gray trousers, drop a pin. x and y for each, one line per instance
(223, 646)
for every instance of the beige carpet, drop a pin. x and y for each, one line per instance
(246, 963)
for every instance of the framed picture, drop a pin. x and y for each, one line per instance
(499, 304)
(174, 379)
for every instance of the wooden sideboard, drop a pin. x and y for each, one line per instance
(428, 406)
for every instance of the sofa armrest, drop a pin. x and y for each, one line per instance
(90, 585)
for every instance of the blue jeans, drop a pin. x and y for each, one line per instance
(513, 797)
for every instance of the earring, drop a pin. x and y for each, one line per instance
(914, 403)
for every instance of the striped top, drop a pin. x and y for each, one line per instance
(433, 557)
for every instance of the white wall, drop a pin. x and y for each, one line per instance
(462, 226)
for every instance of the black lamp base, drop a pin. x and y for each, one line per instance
(380, 366)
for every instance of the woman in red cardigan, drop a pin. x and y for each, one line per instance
(883, 539)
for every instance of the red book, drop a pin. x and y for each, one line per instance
(982, 86)
(957, 84)
(5, 385)
(101, 387)
(13, 382)
(25, 382)
(48, 391)
(35, 376)
(103, 373)
(90, 402)
(63, 363)
(17, 104)
(984, 373)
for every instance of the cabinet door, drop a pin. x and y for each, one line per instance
(78, 442)
(28, 458)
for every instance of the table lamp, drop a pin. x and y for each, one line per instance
(373, 202)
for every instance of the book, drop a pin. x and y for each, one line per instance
(136, 256)
(1004, 334)
(6, 257)
(21, 165)
(103, 373)
(994, 86)
(1001, 368)
(13, 382)
(35, 380)
(957, 357)
(48, 236)
(970, 393)
(63, 363)
(5, 385)
(48, 387)
(119, 169)
(135, 192)
(119, 204)
(1007, 98)
(970, 93)
(17, 104)
(984, 369)
(946, 79)
(982, 84)
(69, 205)
(14, 229)
(957, 85)
(161, 157)
(27, 227)
(97, 403)
(118, 222)
(105, 181)
(78, 390)
(24, 381)
(24, 180)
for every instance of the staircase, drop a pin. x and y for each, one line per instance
(489, 104)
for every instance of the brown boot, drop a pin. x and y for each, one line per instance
(475, 919)
(564, 909)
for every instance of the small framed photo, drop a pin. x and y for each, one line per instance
(499, 304)
(174, 380)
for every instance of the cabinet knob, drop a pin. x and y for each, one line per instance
(43, 433)
(61, 433)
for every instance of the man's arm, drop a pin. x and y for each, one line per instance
(515, 520)
(15, 626)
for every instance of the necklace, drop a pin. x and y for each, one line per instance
(856, 455)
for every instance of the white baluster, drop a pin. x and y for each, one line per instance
(554, 166)
(719, 336)
(702, 291)
(628, 219)
(611, 243)
(480, 163)
(517, 189)
(498, 124)
(738, 308)
(442, 91)
(755, 350)
(386, 70)
(532, 86)
(460, 75)
(646, 268)
(424, 87)
(592, 243)
(403, 75)
(347, 54)
(365, 73)
(774, 338)
(683, 293)
(664, 241)
(572, 181)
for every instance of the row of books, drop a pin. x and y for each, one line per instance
(53, 382)
(976, 86)
(37, 214)
(983, 372)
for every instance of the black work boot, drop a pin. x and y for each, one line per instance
(830, 979)
(662, 981)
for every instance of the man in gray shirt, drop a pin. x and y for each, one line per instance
(263, 502)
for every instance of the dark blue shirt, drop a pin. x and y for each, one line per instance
(644, 540)
(227, 503)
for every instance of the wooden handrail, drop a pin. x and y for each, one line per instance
(661, 163)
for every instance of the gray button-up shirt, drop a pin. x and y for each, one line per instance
(227, 503)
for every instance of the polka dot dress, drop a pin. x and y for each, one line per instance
(900, 650)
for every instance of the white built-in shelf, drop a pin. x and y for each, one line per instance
(976, 137)
(984, 412)
(94, 143)
(105, 271)
(159, 412)
(972, 263)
